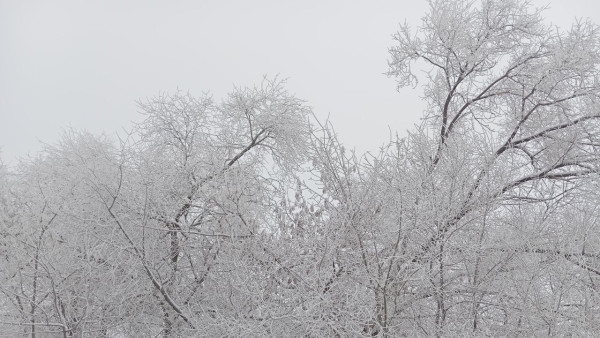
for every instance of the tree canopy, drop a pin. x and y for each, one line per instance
(248, 217)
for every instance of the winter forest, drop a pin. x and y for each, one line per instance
(245, 216)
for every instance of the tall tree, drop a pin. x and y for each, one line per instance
(511, 125)
(242, 218)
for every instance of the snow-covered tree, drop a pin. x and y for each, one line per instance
(248, 217)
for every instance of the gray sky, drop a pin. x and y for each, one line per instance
(85, 63)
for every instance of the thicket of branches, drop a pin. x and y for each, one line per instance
(247, 217)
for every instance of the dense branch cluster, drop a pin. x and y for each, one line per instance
(248, 217)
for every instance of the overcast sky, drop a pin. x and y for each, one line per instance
(85, 63)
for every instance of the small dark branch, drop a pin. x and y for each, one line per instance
(338, 274)
(257, 140)
(203, 234)
(547, 174)
(173, 230)
(546, 131)
(512, 136)
(199, 280)
(249, 118)
(433, 63)
(284, 267)
(114, 200)
(484, 95)
(571, 257)
(146, 267)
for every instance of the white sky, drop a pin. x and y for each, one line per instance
(85, 63)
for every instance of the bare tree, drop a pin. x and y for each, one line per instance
(242, 218)
(512, 122)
